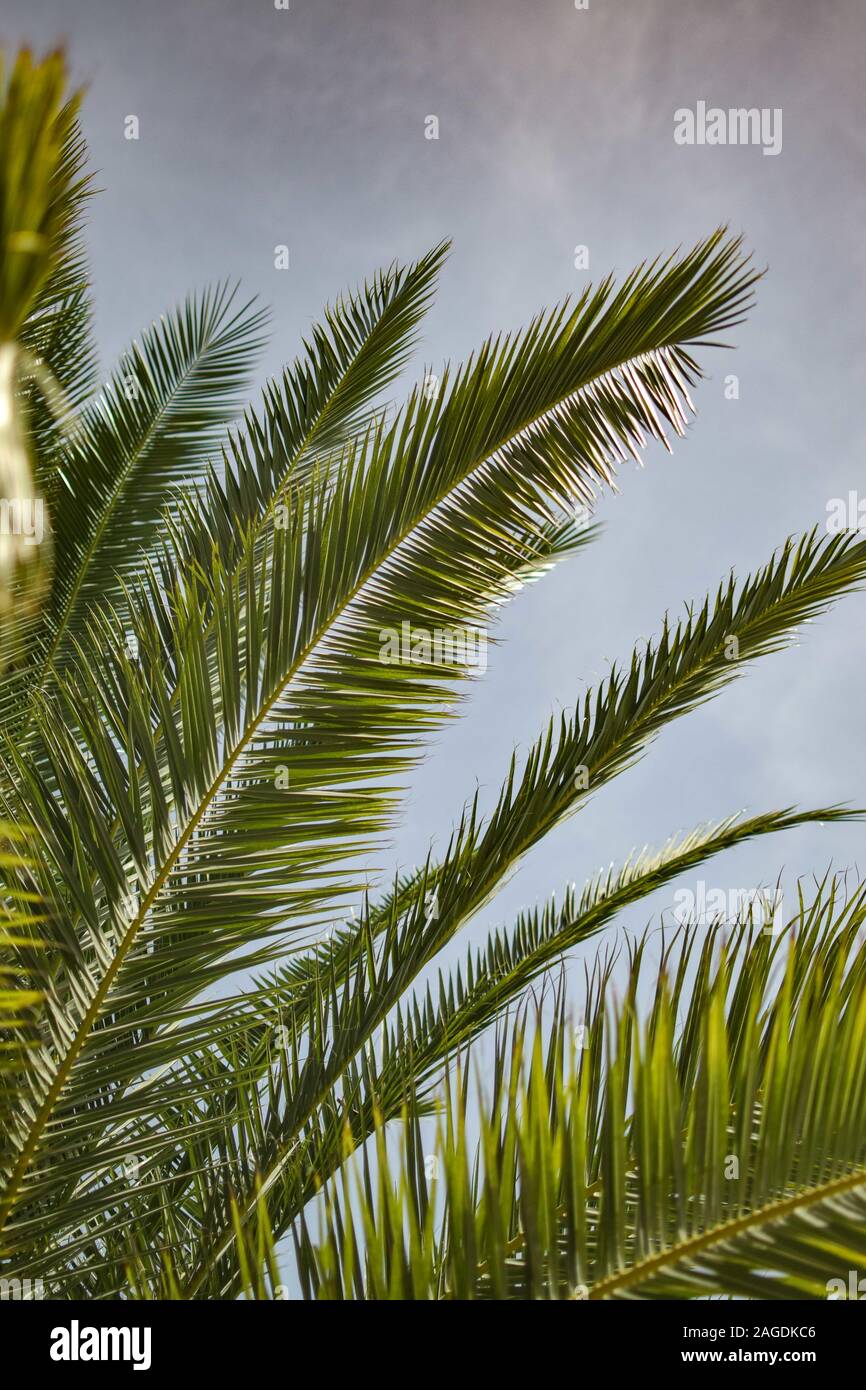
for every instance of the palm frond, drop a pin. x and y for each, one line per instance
(160, 420)
(720, 1153)
(436, 510)
(337, 1026)
(325, 397)
(155, 423)
(302, 621)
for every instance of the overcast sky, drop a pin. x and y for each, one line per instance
(556, 128)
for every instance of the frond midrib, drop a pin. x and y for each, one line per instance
(691, 1246)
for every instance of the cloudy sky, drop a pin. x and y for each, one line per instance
(306, 127)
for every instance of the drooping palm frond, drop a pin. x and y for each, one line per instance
(533, 422)
(347, 1035)
(384, 545)
(160, 420)
(702, 1135)
(610, 728)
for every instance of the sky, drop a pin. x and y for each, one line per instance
(306, 127)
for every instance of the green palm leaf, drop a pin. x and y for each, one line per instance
(156, 421)
(722, 1157)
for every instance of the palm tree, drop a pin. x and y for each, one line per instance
(202, 751)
